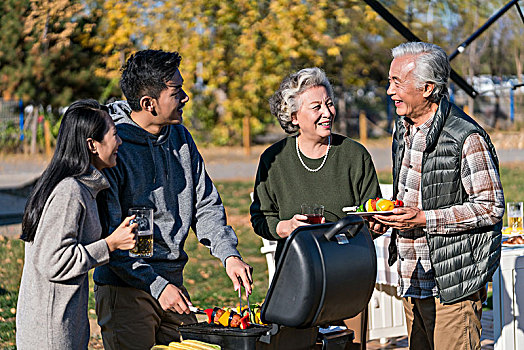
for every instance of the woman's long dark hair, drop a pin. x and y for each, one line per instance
(83, 119)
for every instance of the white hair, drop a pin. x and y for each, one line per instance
(285, 101)
(431, 66)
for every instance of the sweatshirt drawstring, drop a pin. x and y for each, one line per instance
(150, 144)
(168, 160)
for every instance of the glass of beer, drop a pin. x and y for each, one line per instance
(314, 212)
(144, 232)
(515, 216)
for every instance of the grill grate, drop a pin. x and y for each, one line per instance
(215, 329)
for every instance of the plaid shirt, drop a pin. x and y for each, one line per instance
(485, 206)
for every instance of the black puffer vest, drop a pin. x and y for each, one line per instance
(463, 263)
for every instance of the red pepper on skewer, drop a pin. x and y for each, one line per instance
(211, 314)
(244, 322)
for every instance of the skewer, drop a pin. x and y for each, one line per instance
(196, 310)
(240, 297)
(248, 306)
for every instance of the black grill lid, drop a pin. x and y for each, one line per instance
(325, 273)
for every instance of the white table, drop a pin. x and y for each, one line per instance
(385, 309)
(508, 300)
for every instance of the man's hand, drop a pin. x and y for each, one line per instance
(237, 269)
(173, 299)
(404, 218)
(285, 227)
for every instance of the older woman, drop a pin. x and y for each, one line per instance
(312, 165)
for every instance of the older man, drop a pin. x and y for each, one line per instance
(447, 237)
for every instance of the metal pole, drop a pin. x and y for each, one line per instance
(512, 101)
(481, 30)
(406, 33)
(246, 135)
(519, 10)
(363, 127)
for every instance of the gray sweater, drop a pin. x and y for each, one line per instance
(53, 297)
(167, 173)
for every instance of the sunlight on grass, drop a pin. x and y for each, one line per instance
(512, 178)
(11, 262)
(204, 275)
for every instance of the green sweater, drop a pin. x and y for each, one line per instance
(282, 184)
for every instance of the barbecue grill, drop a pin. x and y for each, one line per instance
(325, 273)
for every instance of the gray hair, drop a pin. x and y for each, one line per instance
(286, 100)
(431, 66)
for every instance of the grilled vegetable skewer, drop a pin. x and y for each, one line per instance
(379, 204)
(227, 318)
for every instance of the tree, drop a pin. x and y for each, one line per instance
(239, 52)
(235, 52)
(52, 67)
(12, 14)
(123, 28)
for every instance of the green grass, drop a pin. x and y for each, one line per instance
(11, 262)
(236, 196)
(385, 177)
(205, 277)
(489, 301)
(512, 178)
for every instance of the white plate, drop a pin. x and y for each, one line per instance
(506, 237)
(513, 245)
(509, 235)
(369, 213)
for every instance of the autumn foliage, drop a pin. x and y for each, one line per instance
(234, 52)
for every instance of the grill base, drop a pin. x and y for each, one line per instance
(208, 328)
(273, 337)
(226, 337)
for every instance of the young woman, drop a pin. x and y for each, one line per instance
(62, 231)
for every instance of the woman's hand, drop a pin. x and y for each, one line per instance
(285, 227)
(123, 237)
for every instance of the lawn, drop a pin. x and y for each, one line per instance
(204, 275)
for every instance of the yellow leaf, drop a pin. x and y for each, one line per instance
(333, 51)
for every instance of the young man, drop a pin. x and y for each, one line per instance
(141, 302)
(447, 237)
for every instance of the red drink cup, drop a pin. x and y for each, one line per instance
(314, 218)
(314, 213)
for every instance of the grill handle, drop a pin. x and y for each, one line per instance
(355, 223)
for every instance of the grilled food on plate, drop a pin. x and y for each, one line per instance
(379, 204)
(514, 240)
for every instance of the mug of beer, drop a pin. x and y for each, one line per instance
(144, 232)
(515, 216)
